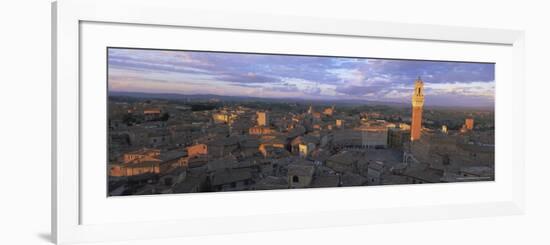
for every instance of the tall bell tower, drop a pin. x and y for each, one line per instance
(417, 104)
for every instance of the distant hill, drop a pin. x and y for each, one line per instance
(348, 102)
(173, 96)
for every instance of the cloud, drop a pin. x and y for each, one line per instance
(481, 89)
(304, 76)
(248, 77)
(359, 90)
(312, 90)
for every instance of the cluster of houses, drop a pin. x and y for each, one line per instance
(173, 149)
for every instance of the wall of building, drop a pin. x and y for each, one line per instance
(299, 181)
(416, 123)
(198, 149)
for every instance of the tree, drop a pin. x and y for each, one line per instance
(165, 116)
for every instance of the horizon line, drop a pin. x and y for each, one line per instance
(305, 99)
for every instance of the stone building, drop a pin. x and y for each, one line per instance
(148, 161)
(249, 147)
(221, 117)
(300, 175)
(339, 123)
(222, 146)
(259, 130)
(352, 179)
(451, 152)
(152, 114)
(140, 154)
(262, 118)
(420, 174)
(397, 137)
(361, 137)
(158, 137)
(374, 173)
(304, 145)
(271, 183)
(198, 149)
(231, 180)
(417, 105)
(328, 111)
(345, 161)
(306, 149)
(469, 124)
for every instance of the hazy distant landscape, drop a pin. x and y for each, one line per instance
(320, 101)
(436, 115)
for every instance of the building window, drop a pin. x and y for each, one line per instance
(295, 179)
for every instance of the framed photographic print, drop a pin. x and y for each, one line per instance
(208, 123)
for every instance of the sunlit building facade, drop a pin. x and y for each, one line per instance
(469, 124)
(263, 118)
(417, 105)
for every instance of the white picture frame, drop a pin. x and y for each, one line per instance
(68, 16)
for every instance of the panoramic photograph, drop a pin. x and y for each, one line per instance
(207, 121)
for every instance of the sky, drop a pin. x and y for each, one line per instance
(306, 77)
